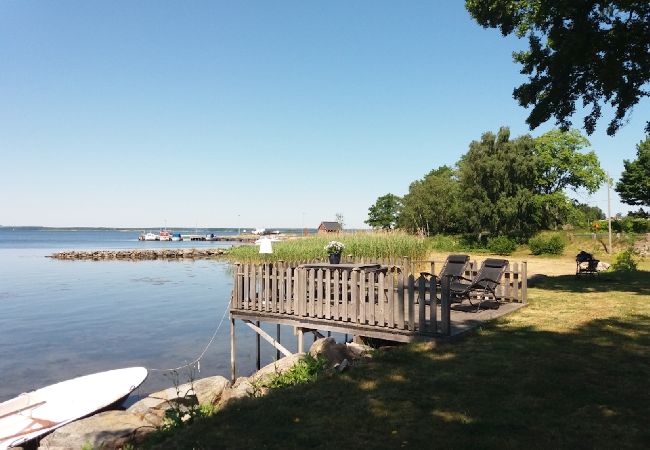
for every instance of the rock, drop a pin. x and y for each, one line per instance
(602, 266)
(209, 390)
(330, 350)
(345, 364)
(107, 430)
(241, 389)
(152, 408)
(358, 351)
(277, 367)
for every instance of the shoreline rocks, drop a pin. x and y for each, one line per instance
(140, 255)
(114, 429)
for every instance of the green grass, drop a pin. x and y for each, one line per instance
(568, 371)
(366, 245)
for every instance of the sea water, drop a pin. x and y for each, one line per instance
(62, 319)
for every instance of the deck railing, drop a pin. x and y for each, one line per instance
(396, 299)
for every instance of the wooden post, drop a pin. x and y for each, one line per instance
(301, 340)
(257, 347)
(422, 293)
(233, 352)
(445, 306)
(524, 282)
(277, 338)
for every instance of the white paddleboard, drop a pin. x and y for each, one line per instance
(35, 413)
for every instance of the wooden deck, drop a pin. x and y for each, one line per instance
(394, 300)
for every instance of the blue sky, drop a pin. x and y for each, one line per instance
(250, 113)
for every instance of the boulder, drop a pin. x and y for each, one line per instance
(209, 390)
(328, 348)
(107, 430)
(276, 367)
(358, 351)
(241, 389)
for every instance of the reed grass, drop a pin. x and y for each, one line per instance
(360, 245)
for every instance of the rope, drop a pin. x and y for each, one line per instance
(197, 361)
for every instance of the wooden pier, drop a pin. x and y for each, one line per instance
(386, 299)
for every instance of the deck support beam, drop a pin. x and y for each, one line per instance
(233, 351)
(268, 338)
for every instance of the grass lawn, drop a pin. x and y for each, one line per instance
(570, 370)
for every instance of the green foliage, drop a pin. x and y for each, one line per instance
(307, 370)
(625, 261)
(626, 225)
(385, 212)
(368, 245)
(497, 186)
(561, 165)
(540, 245)
(582, 215)
(634, 186)
(501, 245)
(431, 205)
(585, 53)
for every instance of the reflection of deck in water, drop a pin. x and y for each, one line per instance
(390, 301)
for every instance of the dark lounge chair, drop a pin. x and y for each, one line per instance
(482, 286)
(586, 264)
(454, 266)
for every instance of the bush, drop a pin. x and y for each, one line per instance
(625, 261)
(501, 245)
(553, 245)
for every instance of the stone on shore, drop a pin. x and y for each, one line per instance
(328, 348)
(241, 389)
(203, 391)
(108, 430)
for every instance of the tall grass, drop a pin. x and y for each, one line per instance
(362, 245)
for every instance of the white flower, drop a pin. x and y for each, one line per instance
(334, 247)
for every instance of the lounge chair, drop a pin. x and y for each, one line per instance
(482, 286)
(454, 265)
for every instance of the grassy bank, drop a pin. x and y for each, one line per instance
(570, 370)
(367, 245)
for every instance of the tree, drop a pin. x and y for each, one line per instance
(432, 203)
(498, 191)
(339, 219)
(595, 51)
(384, 213)
(634, 186)
(560, 165)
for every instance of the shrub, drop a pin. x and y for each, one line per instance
(625, 261)
(553, 245)
(501, 245)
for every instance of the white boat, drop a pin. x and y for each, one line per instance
(148, 237)
(35, 413)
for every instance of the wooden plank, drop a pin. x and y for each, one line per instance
(318, 292)
(336, 312)
(382, 300)
(422, 293)
(344, 295)
(411, 301)
(233, 351)
(282, 294)
(274, 288)
(267, 288)
(361, 317)
(328, 294)
(247, 292)
(268, 338)
(524, 282)
(290, 291)
(390, 303)
(252, 287)
(433, 307)
(402, 277)
(259, 303)
(515, 283)
(311, 283)
(370, 308)
(355, 295)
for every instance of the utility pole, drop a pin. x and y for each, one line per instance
(609, 211)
